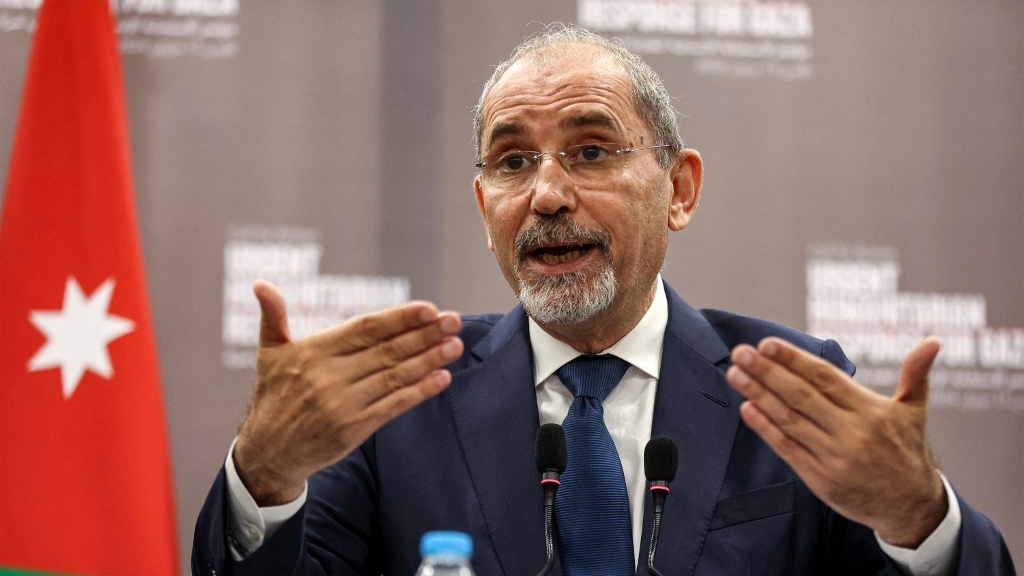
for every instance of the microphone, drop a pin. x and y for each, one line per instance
(551, 457)
(661, 459)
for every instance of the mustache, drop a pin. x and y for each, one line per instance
(559, 229)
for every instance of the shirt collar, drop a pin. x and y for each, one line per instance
(641, 347)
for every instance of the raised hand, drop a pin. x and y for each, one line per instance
(318, 398)
(863, 454)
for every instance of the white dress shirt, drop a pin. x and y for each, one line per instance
(629, 407)
(628, 412)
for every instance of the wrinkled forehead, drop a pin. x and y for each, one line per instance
(558, 76)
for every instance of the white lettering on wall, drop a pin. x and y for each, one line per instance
(290, 258)
(733, 38)
(205, 29)
(853, 297)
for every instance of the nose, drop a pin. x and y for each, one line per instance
(554, 190)
(560, 156)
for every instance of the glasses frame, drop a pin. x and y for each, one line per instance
(563, 157)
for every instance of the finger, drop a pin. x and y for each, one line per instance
(795, 408)
(828, 379)
(410, 372)
(392, 405)
(273, 314)
(782, 395)
(390, 353)
(913, 384)
(796, 454)
(367, 330)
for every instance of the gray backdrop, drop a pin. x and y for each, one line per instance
(864, 180)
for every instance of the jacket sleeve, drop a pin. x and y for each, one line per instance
(982, 549)
(344, 517)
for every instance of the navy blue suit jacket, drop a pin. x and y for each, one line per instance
(465, 461)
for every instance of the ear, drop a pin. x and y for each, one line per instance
(687, 174)
(479, 191)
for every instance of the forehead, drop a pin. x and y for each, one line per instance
(567, 88)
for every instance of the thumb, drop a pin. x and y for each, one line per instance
(913, 384)
(273, 315)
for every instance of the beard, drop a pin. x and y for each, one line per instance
(569, 298)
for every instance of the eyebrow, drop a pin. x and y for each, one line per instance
(504, 129)
(574, 122)
(587, 120)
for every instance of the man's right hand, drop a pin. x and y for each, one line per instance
(318, 398)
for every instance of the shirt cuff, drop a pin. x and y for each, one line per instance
(935, 556)
(249, 525)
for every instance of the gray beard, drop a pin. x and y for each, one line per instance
(567, 298)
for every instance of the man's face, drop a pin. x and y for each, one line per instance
(574, 249)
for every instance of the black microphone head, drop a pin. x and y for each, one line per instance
(661, 459)
(551, 454)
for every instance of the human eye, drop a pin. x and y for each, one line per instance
(515, 161)
(590, 153)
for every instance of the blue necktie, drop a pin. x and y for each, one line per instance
(591, 507)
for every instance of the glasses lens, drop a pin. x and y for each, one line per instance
(592, 155)
(510, 170)
(587, 164)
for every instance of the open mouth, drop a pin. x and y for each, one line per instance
(560, 254)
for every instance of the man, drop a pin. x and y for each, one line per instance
(362, 437)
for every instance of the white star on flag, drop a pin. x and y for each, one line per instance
(77, 336)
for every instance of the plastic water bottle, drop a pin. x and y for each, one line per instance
(445, 553)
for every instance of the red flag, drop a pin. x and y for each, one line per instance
(85, 481)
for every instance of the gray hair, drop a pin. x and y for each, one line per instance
(651, 99)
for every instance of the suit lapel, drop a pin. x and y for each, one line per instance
(696, 408)
(494, 404)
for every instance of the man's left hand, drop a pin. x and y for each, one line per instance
(861, 453)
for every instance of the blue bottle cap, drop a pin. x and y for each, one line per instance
(446, 543)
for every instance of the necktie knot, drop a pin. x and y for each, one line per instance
(593, 376)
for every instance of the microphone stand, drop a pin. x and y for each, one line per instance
(550, 483)
(661, 459)
(551, 457)
(659, 491)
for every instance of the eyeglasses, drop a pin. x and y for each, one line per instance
(586, 164)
